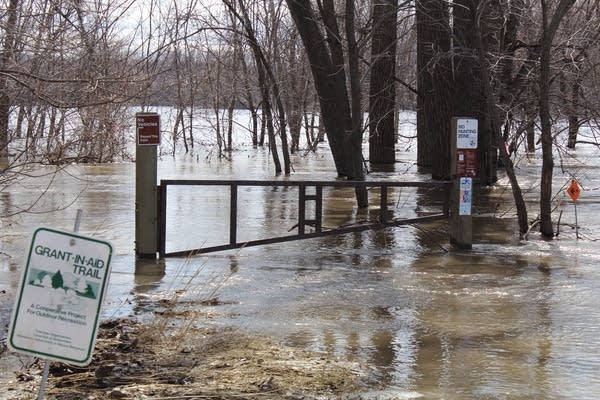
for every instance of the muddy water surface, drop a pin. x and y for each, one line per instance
(509, 319)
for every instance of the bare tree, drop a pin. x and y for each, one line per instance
(330, 73)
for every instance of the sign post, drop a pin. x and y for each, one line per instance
(464, 169)
(57, 310)
(146, 197)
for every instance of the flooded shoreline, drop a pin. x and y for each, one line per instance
(509, 319)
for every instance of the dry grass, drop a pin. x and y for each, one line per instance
(172, 358)
(137, 361)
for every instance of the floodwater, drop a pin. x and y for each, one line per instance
(508, 320)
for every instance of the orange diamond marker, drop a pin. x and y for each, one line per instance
(574, 191)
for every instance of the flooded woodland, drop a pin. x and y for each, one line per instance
(382, 314)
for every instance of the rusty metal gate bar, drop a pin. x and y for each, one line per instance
(303, 197)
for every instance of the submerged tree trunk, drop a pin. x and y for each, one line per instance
(230, 109)
(549, 29)
(382, 88)
(531, 113)
(358, 172)
(328, 68)
(435, 86)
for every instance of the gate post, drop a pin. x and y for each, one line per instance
(463, 170)
(146, 199)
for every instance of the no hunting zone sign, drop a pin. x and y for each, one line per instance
(57, 309)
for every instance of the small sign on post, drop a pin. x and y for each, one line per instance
(148, 129)
(146, 195)
(465, 201)
(57, 311)
(574, 191)
(466, 133)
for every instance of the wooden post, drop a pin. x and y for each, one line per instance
(464, 169)
(146, 198)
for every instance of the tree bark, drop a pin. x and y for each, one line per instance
(382, 88)
(549, 29)
(435, 87)
(6, 55)
(358, 172)
(573, 112)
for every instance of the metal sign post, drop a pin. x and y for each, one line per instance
(464, 169)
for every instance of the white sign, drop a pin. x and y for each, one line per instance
(57, 309)
(466, 196)
(466, 133)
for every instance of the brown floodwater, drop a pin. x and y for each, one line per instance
(509, 319)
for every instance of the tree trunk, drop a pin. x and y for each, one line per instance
(250, 101)
(548, 32)
(546, 226)
(572, 112)
(7, 53)
(230, 109)
(382, 88)
(435, 106)
(530, 114)
(358, 172)
(254, 119)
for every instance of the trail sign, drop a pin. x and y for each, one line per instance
(148, 129)
(57, 310)
(466, 162)
(574, 191)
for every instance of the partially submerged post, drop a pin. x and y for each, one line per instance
(464, 169)
(146, 198)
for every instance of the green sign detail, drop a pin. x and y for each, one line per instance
(57, 311)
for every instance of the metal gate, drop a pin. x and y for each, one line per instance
(315, 221)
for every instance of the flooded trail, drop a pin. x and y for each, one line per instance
(509, 319)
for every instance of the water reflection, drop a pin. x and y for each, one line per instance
(478, 319)
(6, 203)
(148, 274)
(353, 348)
(383, 355)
